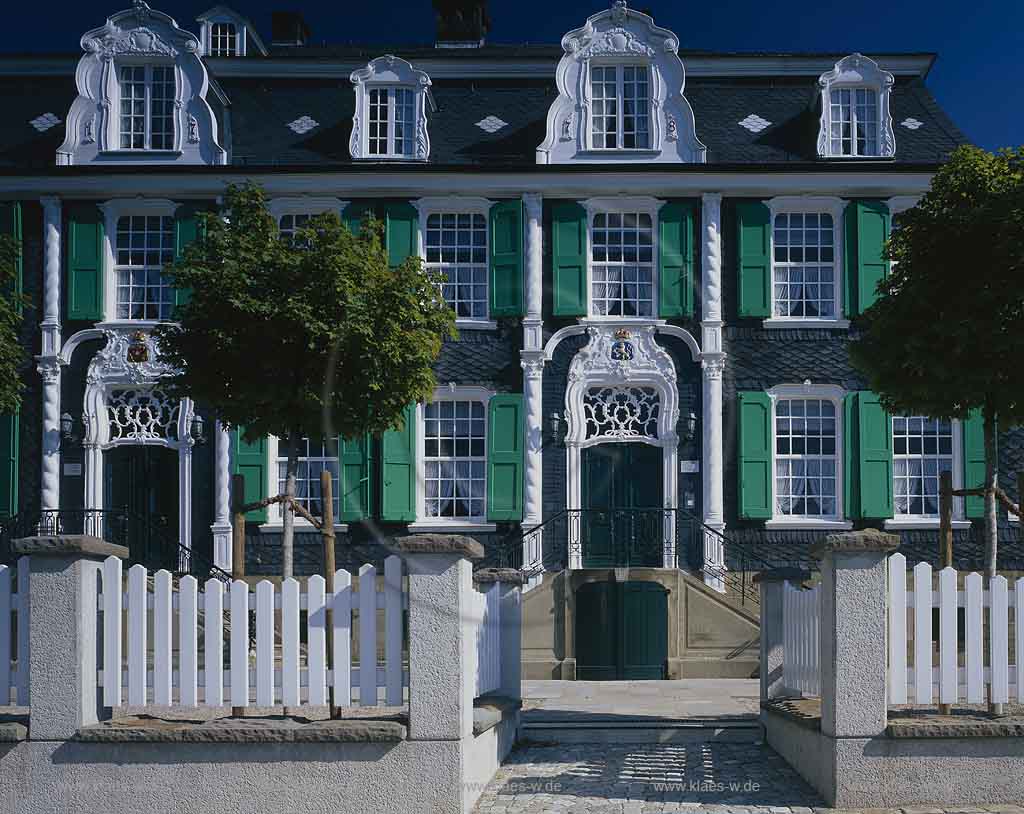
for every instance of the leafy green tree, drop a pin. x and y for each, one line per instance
(13, 357)
(315, 336)
(946, 336)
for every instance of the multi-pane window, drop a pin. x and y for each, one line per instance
(622, 264)
(804, 266)
(223, 40)
(456, 247)
(288, 225)
(144, 245)
(391, 124)
(922, 449)
(454, 460)
(314, 457)
(147, 107)
(620, 107)
(806, 458)
(854, 119)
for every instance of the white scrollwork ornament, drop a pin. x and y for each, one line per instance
(621, 412)
(141, 414)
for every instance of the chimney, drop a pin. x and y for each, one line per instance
(461, 23)
(288, 28)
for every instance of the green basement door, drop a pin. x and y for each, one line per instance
(142, 483)
(622, 522)
(621, 631)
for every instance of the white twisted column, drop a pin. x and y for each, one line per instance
(533, 333)
(51, 276)
(49, 365)
(221, 527)
(49, 370)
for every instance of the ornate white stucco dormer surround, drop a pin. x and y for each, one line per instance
(857, 71)
(390, 72)
(139, 36)
(621, 36)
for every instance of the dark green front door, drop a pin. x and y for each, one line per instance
(621, 520)
(142, 482)
(621, 631)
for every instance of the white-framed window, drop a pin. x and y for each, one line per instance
(289, 224)
(315, 457)
(143, 245)
(294, 213)
(922, 448)
(455, 244)
(854, 122)
(454, 459)
(620, 107)
(146, 112)
(391, 122)
(223, 39)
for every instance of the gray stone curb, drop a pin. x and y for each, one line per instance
(242, 731)
(439, 544)
(509, 575)
(67, 545)
(852, 542)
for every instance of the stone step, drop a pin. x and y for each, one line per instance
(688, 730)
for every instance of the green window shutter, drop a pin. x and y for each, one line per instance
(753, 241)
(867, 229)
(974, 462)
(851, 457)
(506, 241)
(10, 224)
(186, 230)
(755, 445)
(675, 245)
(355, 214)
(251, 461)
(402, 225)
(505, 449)
(85, 262)
(356, 485)
(9, 464)
(398, 470)
(569, 259)
(874, 458)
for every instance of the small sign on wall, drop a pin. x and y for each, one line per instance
(73, 470)
(689, 467)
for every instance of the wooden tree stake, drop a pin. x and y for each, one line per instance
(327, 535)
(946, 538)
(238, 551)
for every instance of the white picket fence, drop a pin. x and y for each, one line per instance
(487, 618)
(172, 670)
(14, 684)
(961, 674)
(801, 664)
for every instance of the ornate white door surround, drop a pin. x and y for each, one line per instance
(125, 405)
(622, 389)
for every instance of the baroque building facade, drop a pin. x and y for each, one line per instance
(656, 258)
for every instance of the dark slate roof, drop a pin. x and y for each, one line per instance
(260, 110)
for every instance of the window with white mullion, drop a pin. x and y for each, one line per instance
(223, 40)
(454, 460)
(147, 95)
(315, 457)
(288, 225)
(806, 459)
(804, 265)
(622, 264)
(144, 244)
(456, 251)
(922, 450)
(391, 125)
(620, 107)
(854, 121)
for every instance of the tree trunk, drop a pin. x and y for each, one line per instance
(288, 525)
(991, 534)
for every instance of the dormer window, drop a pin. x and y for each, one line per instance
(390, 122)
(620, 115)
(855, 120)
(147, 107)
(223, 40)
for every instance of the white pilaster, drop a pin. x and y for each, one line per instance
(221, 527)
(48, 362)
(533, 334)
(51, 276)
(185, 506)
(533, 377)
(49, 370)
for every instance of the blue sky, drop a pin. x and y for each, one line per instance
(977, 77)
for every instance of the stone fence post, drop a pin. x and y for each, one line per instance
(853, 630)
(63, 641)
(511, 598)
(441, 639)
(772, 656)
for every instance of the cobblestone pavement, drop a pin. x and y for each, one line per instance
(700, 778)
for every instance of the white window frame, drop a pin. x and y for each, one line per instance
(823, 392)
(447, 205)
(857, 72)
(115, 107)
(622, 205)
(238, 34)
(304, 205)
(392, 121)
(853, 88)
(909, 521)
(619, 65)
(389, 73)
(275, 518)
(452, 392)
(113, 211)
(806, 204)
